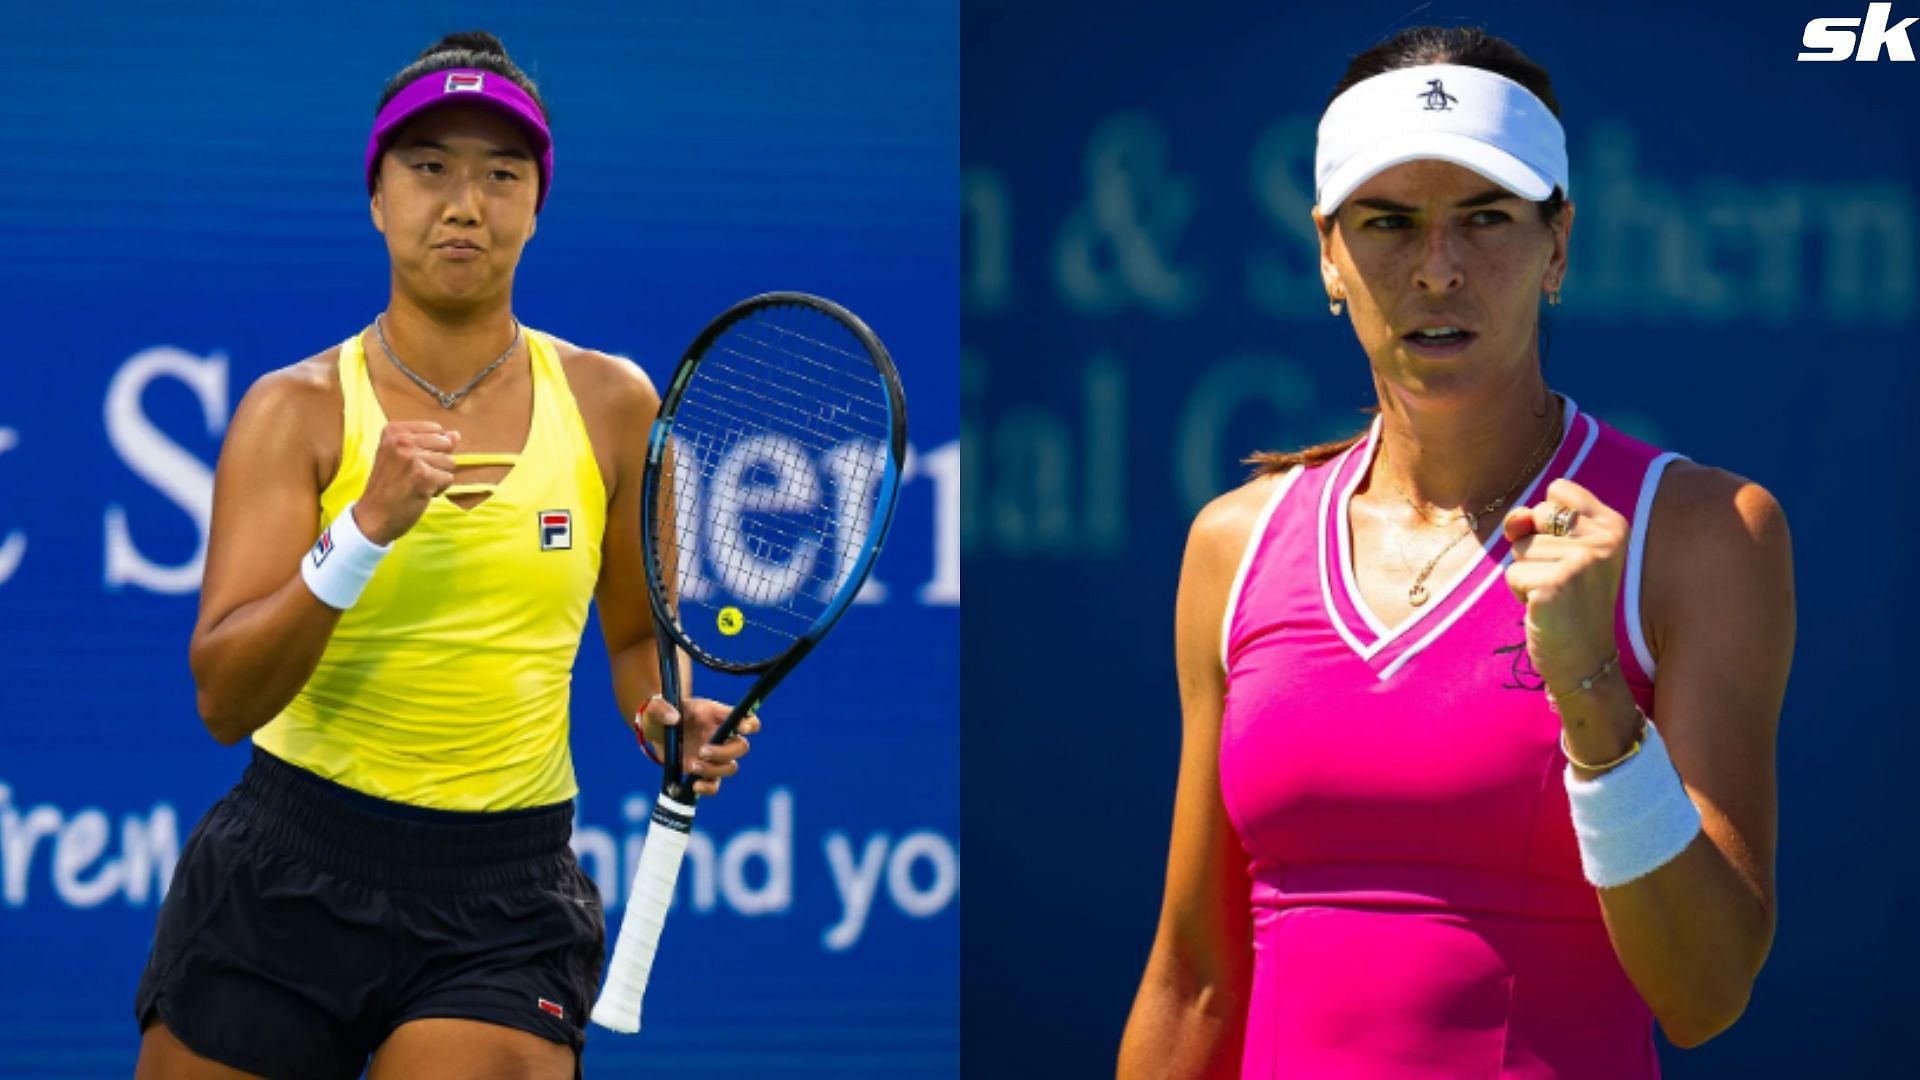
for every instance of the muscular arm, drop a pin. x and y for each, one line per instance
(1190, 1012)
(1692, 935)
(627, 403)
(260, 631)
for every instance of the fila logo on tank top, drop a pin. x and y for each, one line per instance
(1397, 792)
(556, 530)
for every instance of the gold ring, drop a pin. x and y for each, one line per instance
(1562, 520)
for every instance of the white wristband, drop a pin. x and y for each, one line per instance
(342, 562)
(1634, 819)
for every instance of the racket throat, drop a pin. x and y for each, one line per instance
(675, 785)
(678, 791)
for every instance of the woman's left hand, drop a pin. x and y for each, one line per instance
(703, 716)
(1568, 583)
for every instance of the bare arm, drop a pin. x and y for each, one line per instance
(626, 619)
(1693, 935)
(261, 631)
(1189, 1016)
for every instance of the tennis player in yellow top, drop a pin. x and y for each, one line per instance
(390, 884)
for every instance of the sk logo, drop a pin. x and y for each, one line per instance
(1834, 39)
(1438, 100)
(556, 530)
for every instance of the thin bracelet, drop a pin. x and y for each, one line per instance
(1638, 741)
(646, 747)
(1587, 683)
(640, 731)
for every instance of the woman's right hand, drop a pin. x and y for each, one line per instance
(413, 465)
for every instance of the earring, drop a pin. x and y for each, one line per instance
(1553, 296)
(1334, 306)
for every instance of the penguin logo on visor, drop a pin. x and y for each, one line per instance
(1438, 100)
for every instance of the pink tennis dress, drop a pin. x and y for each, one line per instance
(1418, 904)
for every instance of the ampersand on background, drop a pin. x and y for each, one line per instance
(1116, 247)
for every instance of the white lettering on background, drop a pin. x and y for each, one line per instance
(79, 862)
(751, 872)
(144, 448)
(14, 547)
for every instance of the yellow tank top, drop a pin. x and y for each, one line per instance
(447, 684)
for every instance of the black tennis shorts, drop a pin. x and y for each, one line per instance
(306, 921)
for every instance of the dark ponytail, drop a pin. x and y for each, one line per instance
(1467, 46)
(475, 49)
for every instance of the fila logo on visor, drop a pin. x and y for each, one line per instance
(1835, 39)
(1438, 100)
(556, 530)
(463, 80)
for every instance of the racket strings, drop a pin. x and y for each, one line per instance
(779, 446)
(778, 329)
(838, 389)
(815, 392)
(757, 546)
(756, 560)
(772, 411)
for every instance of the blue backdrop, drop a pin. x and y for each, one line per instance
(182, 210)
(1141, 308)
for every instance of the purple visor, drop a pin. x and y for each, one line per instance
(464, 86)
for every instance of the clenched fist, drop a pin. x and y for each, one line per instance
(413, 465)
(1569, 583)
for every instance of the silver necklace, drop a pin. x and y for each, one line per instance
(1417, 595)
(447, 401)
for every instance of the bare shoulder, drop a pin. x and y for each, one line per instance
(1215, 545)
(1717, 542)
(294, 411)
(1222, 528)
(1701, 511)
(603, 382)
(303, 382)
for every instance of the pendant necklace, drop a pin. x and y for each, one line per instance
(447, 400)
(1417, 595)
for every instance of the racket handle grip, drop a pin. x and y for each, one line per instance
(619, 1006)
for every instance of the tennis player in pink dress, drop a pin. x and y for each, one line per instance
(1426, 825)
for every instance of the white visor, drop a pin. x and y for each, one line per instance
(1447, 112)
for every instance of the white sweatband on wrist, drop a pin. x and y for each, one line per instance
(1634, 819)
(342, 562)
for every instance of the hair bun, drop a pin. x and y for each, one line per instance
(474, 41)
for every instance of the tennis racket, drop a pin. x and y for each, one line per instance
(771, 477)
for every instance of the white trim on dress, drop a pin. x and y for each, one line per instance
(1498, 572)
(1636, 558)
(1384, 636)
(1246, 557)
